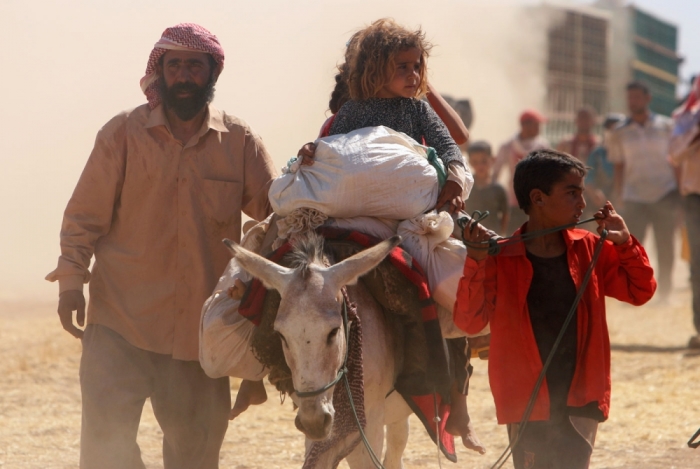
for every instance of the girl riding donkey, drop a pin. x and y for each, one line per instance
(380, 83)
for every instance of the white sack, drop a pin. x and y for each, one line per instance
(427, 239)
(225, 335)
(373, 172)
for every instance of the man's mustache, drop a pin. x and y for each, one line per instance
(184, 87)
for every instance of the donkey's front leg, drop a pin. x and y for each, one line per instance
(374, 431)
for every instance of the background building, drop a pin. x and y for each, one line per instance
(594, 51)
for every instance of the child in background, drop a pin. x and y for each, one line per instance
(525, 293)
(486, 194)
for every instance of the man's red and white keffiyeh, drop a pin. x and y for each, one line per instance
(184, 36)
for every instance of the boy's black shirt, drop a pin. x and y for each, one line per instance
(551, 294)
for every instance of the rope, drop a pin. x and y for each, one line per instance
(495, 244)
(437, 419)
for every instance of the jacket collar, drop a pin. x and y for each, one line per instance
(518, 249)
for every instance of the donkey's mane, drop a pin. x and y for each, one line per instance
(308, 251)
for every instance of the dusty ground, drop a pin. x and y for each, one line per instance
(655, 406)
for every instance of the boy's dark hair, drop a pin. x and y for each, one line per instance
(480, 146)
(541, 169)
(638, 85)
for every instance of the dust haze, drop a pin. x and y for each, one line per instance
(71, 66)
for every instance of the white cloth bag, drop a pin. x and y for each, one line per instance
(370, 172)
(427, 239)
(224, 335)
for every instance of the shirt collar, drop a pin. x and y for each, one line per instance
(214, 120)
(650, 120)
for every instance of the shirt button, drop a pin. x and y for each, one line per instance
(184, 179)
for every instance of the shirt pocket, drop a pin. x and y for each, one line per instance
(221, 202)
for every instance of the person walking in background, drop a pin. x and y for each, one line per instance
(514, 150)
(582, 143)
(165, 183)
(685, 153)
(599, 180)
(645, 181)
(486, 193)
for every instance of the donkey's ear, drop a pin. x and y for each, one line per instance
(348, 271)
(272, 275)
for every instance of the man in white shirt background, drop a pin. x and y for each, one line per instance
(645, 187)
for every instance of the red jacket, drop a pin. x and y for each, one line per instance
(494, 291)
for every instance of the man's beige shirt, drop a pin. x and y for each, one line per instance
(153, 212)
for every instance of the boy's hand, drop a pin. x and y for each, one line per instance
(306, 153)
(451, 193)
(476, 233)
(608, 219)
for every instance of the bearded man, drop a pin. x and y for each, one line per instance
(164, 184)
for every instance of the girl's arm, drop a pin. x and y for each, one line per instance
(455, 125)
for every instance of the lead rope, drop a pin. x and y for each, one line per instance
(494, 246)
(372, 455)
(437, 420)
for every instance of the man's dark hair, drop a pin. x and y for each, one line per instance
(541, 169)
(480, 146)
(639, 85)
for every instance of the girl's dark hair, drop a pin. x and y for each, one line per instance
(340, 93)
(541, 169)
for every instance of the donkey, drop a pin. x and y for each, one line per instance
(310, 325)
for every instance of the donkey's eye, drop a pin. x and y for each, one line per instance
(284, 341)
(332, 334)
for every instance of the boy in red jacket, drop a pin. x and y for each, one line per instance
(526, 292)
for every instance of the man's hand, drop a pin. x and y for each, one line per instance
(608, 219)
(476, 233)
(306, 153)
(451, 193)
(69, 301)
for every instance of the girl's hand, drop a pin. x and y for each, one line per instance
(608, 219)
(306, 153)
(451, 193)
(476, 233)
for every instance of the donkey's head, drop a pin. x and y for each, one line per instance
(310, 319)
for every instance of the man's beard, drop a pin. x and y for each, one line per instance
(186, 108)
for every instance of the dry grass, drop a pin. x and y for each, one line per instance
(654, 410)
